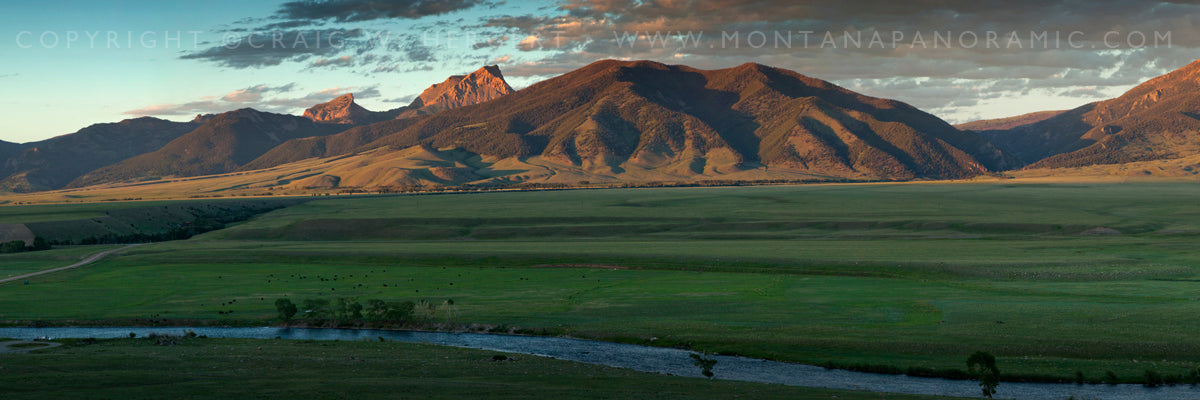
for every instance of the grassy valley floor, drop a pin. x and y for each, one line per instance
(1058, 280)
(186, 368)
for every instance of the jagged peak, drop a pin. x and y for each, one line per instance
(485, 73)
(483, 84)
(340, 110)
(202, 118)
(343, 99)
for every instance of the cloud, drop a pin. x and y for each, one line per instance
(401, 100)
(190, 108)
(1083, 92)
(490, 43)
(9, 75)
(1102, 59)
(333, 62)
(414, 49)
(252, 97)
(291, 104)
(366, 10)
(254, 93)
(269, 48)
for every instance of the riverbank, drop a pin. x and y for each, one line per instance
(645, 359)
(180, 367)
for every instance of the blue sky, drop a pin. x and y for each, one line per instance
(196, 58)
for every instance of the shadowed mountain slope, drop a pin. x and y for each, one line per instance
(223, 144)
(1159, 119)
(53, 163)
(999, 124)
(613, 116)
(485, 84)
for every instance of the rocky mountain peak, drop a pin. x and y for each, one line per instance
(484, 84)
(341, 110)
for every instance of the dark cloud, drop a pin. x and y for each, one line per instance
(401, 100)
(254, 93)
(490, 43)
(524, 23)
(366, 10)
(269, 48)
(369, 92)
(1106, 55)
(292, 24)
(414, 49)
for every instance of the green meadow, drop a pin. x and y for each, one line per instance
(1055, 279)
(186, 368)
(24, 263)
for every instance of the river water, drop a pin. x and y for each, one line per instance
(653, 359)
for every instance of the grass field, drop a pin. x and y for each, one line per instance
(1055, 279)
(23, 263)
(183, 368)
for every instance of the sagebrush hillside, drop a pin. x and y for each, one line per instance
(624, 119)
(223, 144)
(1159, 119)
(55, 162)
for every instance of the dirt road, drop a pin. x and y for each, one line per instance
(90, 259)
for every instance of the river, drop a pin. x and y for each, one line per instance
(653, 359)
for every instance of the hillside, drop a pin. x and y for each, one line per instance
(1155, 120)
(611, 121)
(343, 110)
(9, 149)
(224, 143)
(53, 163)
(1009, 122)
(614, 120)
(485, 84)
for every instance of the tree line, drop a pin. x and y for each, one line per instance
(345, 311)
(18, 246)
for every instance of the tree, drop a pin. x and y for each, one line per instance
(400, 312)
(983, 365)
(376, 310)
(316, 309)
(39, 243)
(706, 364)
(15, 246)
(286, 309)
(348, 309)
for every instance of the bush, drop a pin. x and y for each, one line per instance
(706, 364)
(15, 246)
(983, 365)
(1152, 378)
(348, 309)
(40, 243)
(316, 309)
(286, 309)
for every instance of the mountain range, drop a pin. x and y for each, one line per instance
(55, 162)
(1159, 119)
(616, 121)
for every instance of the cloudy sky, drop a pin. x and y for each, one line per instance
(68, 64)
